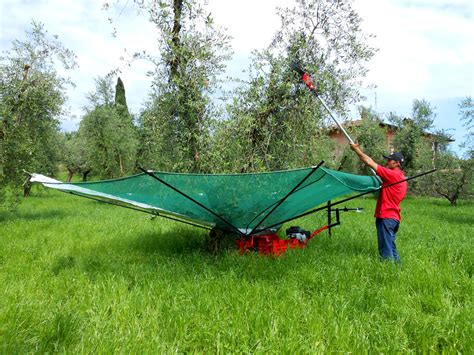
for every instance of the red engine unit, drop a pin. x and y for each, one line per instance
(268, 244)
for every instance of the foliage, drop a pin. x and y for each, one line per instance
(369, 134)
(74, 156)
(327, 35)
(277, 121)
(269, 133)
(31, 102)
(424, 150)
(271, 121)
(120, 98)
(126, 131)
(412, 138)
(146, 286)
(107, 132)
(175, 125)
(274, 124)
(466, 111)
(453, 179)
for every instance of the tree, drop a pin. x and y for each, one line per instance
(74, 156)
(120, 98)
(285, 125)
(107, 132)
(370, 136)
(32, 95)
(270, 130)
(454, 178)
(466, 111)
(175, 125)
(424, 150)
(420, 145)
(411, 136)
(127, 131)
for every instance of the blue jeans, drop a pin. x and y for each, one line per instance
(387, 229)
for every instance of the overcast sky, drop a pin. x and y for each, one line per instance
(425, 47)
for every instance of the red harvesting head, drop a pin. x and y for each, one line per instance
(307, 80)
(304, 76)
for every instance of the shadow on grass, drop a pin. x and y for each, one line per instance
(444, 203)
(455, 217)
(32, 215)
(183, 253)
(182, 250)
(190, 242)
(340, 246)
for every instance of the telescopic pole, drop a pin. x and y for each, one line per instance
(334, 118)
(309, 83)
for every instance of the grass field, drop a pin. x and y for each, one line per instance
(81, 276)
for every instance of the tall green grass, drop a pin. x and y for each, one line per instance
(82, 276)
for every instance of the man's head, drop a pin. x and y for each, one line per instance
(394, 160)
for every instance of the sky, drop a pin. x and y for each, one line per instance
(425, 48)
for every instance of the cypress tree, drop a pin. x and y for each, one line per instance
(120, 99)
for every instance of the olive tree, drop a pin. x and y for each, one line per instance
(107, 133)
(413, 136)
(371, 135)
(176, 123)
(466, 111)
(454, 178)
(32, 95)
(283, 125)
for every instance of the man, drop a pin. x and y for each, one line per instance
(387, 211)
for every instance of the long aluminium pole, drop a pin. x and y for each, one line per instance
(309, 83)
(334, 118)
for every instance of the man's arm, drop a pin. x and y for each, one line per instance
(364, 157)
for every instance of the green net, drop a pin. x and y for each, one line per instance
(229, 201)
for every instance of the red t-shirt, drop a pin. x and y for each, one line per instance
(388, 202)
